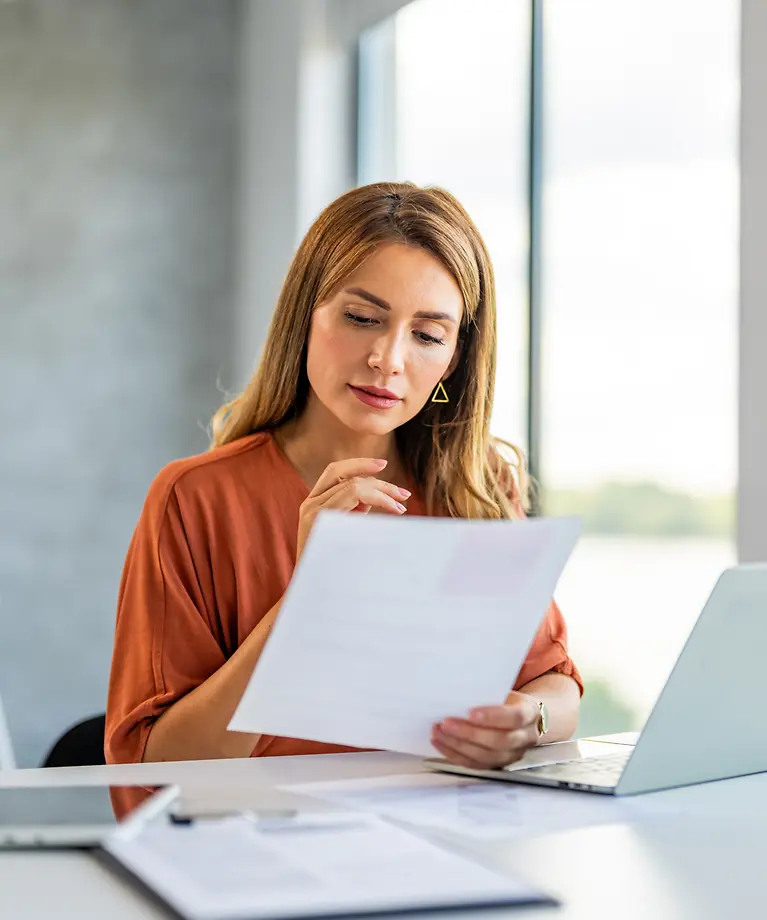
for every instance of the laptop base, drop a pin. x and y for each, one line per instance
(585, 766)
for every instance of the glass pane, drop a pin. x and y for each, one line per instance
(639, 328)
(455, 97)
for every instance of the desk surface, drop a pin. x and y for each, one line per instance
(703, 862)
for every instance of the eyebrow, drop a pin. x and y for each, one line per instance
(379, 302)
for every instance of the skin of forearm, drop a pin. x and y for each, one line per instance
(195, 727)
(563, 701)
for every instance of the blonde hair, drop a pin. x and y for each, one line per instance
(462, 470)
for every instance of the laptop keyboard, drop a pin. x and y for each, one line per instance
(604, 769)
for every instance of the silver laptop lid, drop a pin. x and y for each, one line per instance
(707, 724)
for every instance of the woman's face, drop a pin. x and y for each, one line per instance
(393, 326)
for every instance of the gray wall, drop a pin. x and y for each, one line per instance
(118, 179)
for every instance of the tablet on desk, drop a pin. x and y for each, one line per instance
(65, 816)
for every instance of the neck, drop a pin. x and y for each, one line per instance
(318, 438)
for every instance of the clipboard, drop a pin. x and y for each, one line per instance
(254, 866)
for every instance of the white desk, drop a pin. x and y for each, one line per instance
(704, 862)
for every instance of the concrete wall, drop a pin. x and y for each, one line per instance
(118, 182)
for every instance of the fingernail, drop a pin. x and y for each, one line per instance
(477, 716)
(404, 493)
(401, 507)
(381, 462)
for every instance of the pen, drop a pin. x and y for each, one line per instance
(269, 814)
(280, 820)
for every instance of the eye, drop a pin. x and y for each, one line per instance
(423, 337)
(360, 320)
(429, 339)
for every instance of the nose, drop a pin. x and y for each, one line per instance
(388, 354)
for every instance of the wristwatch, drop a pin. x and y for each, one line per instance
(543, 718)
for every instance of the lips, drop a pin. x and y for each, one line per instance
(374, 399)
(377, 391)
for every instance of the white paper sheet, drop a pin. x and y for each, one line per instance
(313, 866)
(389, 626)
(478, 808)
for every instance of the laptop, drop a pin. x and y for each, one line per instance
(707, 724)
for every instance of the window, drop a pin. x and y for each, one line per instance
(444, 101)
(639, 313)
(638, 269)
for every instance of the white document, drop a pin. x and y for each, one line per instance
(314, 865)
(478, 808)
(390, 625)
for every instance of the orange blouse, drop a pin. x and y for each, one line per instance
(213, 551)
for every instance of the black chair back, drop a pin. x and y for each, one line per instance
(82, 745)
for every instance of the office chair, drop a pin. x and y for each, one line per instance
(7, 759)
(81, 745)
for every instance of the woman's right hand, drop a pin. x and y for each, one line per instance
(349, 485)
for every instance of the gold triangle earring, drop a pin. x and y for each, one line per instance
(436, 394)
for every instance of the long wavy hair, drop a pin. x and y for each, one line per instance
(461, 469)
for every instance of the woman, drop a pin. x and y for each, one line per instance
(388, 310)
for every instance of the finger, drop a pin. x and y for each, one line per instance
(490, 738)
(480, 758)
(340, 470)
(346, 496)
(454, 756)
(456, 732)
(354, 492)
(396, 492)
(389, 488)
(457, 757)
(461, 753)
(479, 755)
(509, 717)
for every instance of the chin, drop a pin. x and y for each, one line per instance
(371, 426)
(365, 423)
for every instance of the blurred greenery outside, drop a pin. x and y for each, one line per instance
(643, 509)
(636, 509)
(603, 711)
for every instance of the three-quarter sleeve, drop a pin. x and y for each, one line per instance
(549, 651)
(165, 642)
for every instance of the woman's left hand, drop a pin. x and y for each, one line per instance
(491, 736)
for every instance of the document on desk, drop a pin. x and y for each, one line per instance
(240, 868)
(479, 808)
(390, 625)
